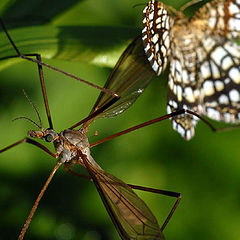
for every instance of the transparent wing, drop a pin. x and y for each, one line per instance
(220, 17)
(130, 215)
(157, 25)
(129, 78)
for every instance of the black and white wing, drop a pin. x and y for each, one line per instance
(209, 80)
(220, 17)
(156, 34)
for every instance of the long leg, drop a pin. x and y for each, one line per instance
(156, 120)
(146, 189)
(34, 208)
(44, 92)
(39, 62)
(165, 193)
(31, 141)
(68, 169)
(43, 87)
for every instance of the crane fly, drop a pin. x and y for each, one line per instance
(130, 215)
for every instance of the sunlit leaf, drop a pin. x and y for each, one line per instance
(75, 43)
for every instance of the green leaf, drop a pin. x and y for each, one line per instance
(4, 4)
(97, 45)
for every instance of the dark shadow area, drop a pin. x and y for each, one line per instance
(35, 12)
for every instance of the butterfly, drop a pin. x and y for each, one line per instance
(204, 59)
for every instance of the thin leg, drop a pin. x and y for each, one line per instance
(91, 116)
(138, 126)
(44, 92)
(39, 62)
(201, 118)
(75, 173)
(156, 120)
(31, 141)
(34, 208)
(146, 189)
(43, 87)
(165, 193)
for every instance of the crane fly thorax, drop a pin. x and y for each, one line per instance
(70, 145)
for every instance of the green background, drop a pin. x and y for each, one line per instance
(86, 38)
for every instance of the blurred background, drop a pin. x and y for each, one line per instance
(86, 38)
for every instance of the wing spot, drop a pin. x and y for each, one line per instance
(234, 24)
(189, 94)
(233, 49)
(151, 15)
(219, 85)
(234, 95)
(179, 93)
(213, 113)
(218, 55)
(205, 70)
(215, 70)
(150, 57)
(155, 66)
(147, 48)
(227, 81)
(227, 63)
(155, 38)
(212, 22)
(235, 75)
(233, 8)
(208, 88)
(223, 99)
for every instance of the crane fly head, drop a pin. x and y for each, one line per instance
(49, 135)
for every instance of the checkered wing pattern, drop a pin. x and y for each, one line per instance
(221, 17)
(157, 24)
(221, 86)
(182, 90)
(204, 65)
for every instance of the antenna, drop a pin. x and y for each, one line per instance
(36, 110)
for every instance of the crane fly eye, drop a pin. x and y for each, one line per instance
(48, 138)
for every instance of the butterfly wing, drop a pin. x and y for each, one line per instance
(220, 18)
(157, 25)
(205, 72)
(159, 46)
(220, 88)
(183, 90)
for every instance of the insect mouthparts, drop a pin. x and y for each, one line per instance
(35, 134)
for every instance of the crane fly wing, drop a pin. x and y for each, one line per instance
(130, 215)
(130, 76)
(134, 219)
